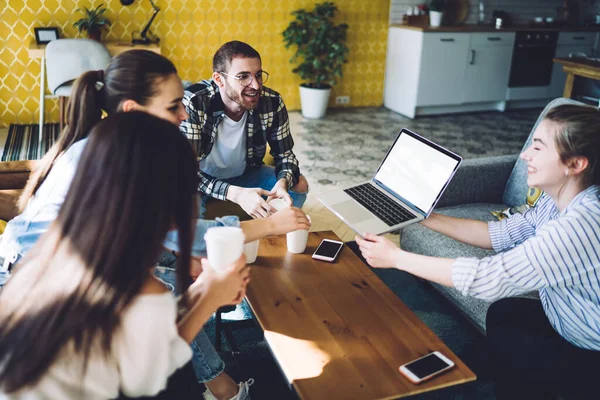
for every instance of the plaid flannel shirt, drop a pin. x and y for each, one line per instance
(268, 123)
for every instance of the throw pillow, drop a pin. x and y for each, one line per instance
(531, 199)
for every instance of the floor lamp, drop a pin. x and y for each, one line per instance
(145, 36)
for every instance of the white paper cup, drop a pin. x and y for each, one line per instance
(224, 245)
(296, 240)
(278, 204)
(251, 251)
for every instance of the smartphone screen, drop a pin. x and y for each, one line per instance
(328, 249)
(426, 366)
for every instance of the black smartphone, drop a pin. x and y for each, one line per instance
(328, 250)
(426, 367)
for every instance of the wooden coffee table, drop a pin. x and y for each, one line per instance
(336, 330)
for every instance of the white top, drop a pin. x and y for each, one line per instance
(555, 252)
(227, 159)
(22, 232)
(146, 350)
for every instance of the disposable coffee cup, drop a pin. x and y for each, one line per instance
(296, 240)
(224, 245)
(278, 204)
(251, 251)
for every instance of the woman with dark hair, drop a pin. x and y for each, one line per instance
(135, 80)
(538, 348)
(83, 317)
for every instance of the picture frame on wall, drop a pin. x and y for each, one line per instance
(45, 35)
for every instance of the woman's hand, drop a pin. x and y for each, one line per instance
(196, 267)
(379, 251)
(213, 289)
(288, 219)
(224, 287)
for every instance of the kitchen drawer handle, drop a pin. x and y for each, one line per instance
(446, 40)
(535, 46)
(578, 37)
(494, 39)
(472, 58)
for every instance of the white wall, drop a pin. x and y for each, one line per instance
(521, 11)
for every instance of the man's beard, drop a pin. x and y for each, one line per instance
(239, 99)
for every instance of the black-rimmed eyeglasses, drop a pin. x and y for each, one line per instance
(246, 78)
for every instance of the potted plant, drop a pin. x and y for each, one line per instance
(321, 49)
(93, 21)
(436, 12)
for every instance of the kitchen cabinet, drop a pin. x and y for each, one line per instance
(488, 67)
(443, 72)
(443, 63)
(569, 43)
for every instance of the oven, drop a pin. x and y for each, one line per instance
(532, 58)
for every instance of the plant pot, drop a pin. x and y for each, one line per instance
(96, 35)
(314, 101)
(435, 18)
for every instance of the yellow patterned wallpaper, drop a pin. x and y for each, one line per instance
(191, 31)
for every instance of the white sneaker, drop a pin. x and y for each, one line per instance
(243, 393)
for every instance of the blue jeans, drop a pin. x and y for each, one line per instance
(263, 177)
(206, 361)
(4, 275)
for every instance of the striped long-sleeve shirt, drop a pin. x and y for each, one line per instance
(557, 253)
(268, 123)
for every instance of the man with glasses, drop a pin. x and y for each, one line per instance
(232, 117)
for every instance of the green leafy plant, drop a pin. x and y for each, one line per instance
(320, 45)
(437, 5)
(93, 20)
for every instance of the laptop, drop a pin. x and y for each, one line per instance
(408, 183)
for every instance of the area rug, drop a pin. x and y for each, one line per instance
(22, 141)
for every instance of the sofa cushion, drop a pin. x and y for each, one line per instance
(532, 197)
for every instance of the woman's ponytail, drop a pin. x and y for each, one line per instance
(83, 112)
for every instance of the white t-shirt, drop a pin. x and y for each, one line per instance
(146, 350)
(227, 158)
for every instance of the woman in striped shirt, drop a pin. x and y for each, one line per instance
(538, 348)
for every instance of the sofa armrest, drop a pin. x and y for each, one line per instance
(13, 177)
(14, 174)
(479, 180)
(8, 204)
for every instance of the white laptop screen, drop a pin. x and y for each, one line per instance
(417, 170)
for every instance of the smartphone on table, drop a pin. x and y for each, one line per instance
(426, 367)
(328, 250)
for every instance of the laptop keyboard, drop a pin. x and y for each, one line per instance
(379, 204)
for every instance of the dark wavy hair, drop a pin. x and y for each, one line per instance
(136, 180)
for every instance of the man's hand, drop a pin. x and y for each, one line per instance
(280, 191)
(251, 201)
(378, 251)
(288, 220)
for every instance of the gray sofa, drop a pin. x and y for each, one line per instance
(480, 185)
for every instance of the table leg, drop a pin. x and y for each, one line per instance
(569, 85)
(42, 92)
